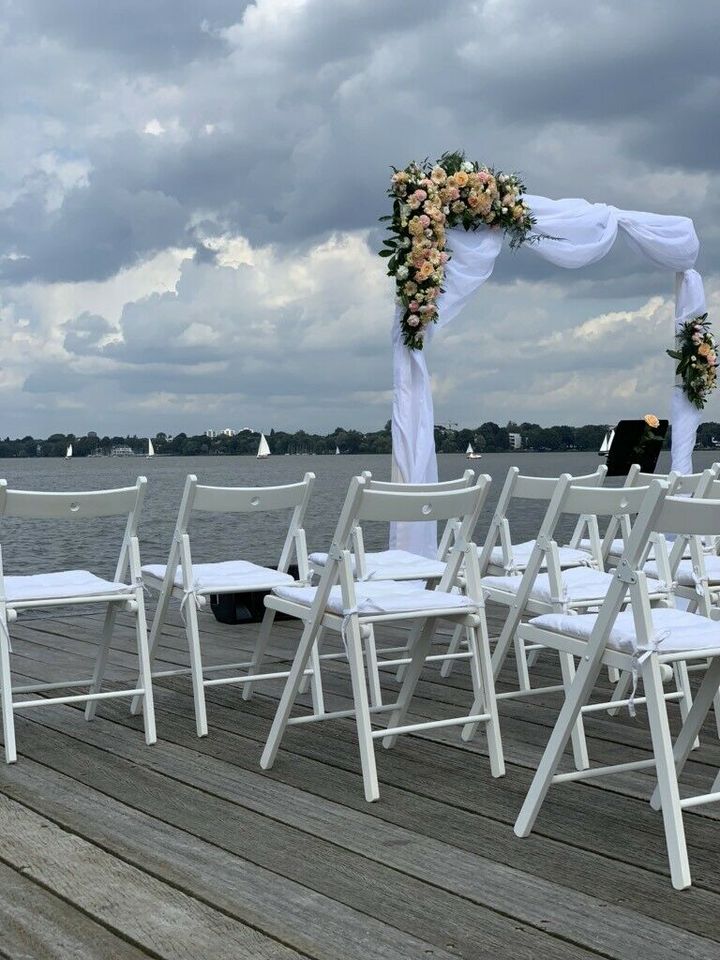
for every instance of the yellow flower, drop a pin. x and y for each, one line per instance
(461, 179)
(651, 420)
(703, 349)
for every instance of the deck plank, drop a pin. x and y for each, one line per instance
(293, 862)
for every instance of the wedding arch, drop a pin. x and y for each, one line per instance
(577, 233)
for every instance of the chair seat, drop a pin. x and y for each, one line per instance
(392, 565)
(580, 585)
(569, 557)
(676, 630)
(228, 576)
(617, 548)
(684, 574)
(63, 585)
(382, 596)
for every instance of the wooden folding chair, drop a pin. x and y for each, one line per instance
(342, 604)
(191, 583)
(76, 588)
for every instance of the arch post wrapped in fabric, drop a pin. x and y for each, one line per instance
(582, 233)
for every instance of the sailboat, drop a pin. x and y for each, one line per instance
(337, 451)
(470, 453)
(607, 441)
(263, 449)
(150, 450)
(68, 452)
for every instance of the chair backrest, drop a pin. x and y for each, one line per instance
(458, 483)
(293, 496)
(363, 503)
(538, 489)
(81, 505)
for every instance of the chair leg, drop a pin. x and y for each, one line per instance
(289, 695)
(143, 652)
(446, 668)
(305, 682)
(585, 679)
(702, 702)
(362, 711)
(261, 645)
(102, 657)
(521, 665)
(622, 688)
(316, 688)
(193, 636)
(667, 777)
(682, 685)
(420, 647)
(373, 673)
(579, 744)
(480, 649)
(156, 629)
(6, 692)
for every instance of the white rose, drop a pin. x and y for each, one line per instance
(467, 166)
(401, 273)
(504, 209)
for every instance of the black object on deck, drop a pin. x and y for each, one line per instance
(245, 607)
(635, 442)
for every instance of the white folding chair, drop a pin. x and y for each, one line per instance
(560, 590)
(191, 583)
(73, 588)
(618, 528)
(351, 607)
(639, 639)
(398, 565)
(508, 558)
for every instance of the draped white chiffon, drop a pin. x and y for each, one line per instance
(586, 232)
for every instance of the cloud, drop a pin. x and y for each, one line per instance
(256, 139)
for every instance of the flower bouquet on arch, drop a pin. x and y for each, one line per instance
(696, 355)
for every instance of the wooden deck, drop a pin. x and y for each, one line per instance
(111, 849)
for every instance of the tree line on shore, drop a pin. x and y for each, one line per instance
(487, 438)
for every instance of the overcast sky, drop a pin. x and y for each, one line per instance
(189, 194)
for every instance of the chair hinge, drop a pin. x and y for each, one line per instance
(625, 573)
(335, 552)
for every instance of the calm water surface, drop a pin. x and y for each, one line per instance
(35, 546)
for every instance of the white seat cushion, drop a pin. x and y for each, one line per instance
(392, 565)
(569, 557)
(64, 585)
(580, 584)
(229, 576)
(684, 574)
(617, 548)
(676, 630)
(383, 596)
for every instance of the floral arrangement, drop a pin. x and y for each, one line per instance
(697, 359)
(430, 198)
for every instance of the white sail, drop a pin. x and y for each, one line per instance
(263, 449)
(337, 451)
(469, 448)
(151, 448)
(605, 445)
(68, 452)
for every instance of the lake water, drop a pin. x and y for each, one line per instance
(33, 546)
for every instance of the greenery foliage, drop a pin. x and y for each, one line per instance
(488, 437)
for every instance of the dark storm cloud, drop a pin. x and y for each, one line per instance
(131, 128)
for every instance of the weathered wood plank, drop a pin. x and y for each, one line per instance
(294, 914)
(151, 914)
(36, 925)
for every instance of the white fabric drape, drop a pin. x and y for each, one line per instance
(587, 231)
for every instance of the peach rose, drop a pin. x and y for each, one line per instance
(651, 420)
(438, 175)
(461, 178)
(704, 350)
